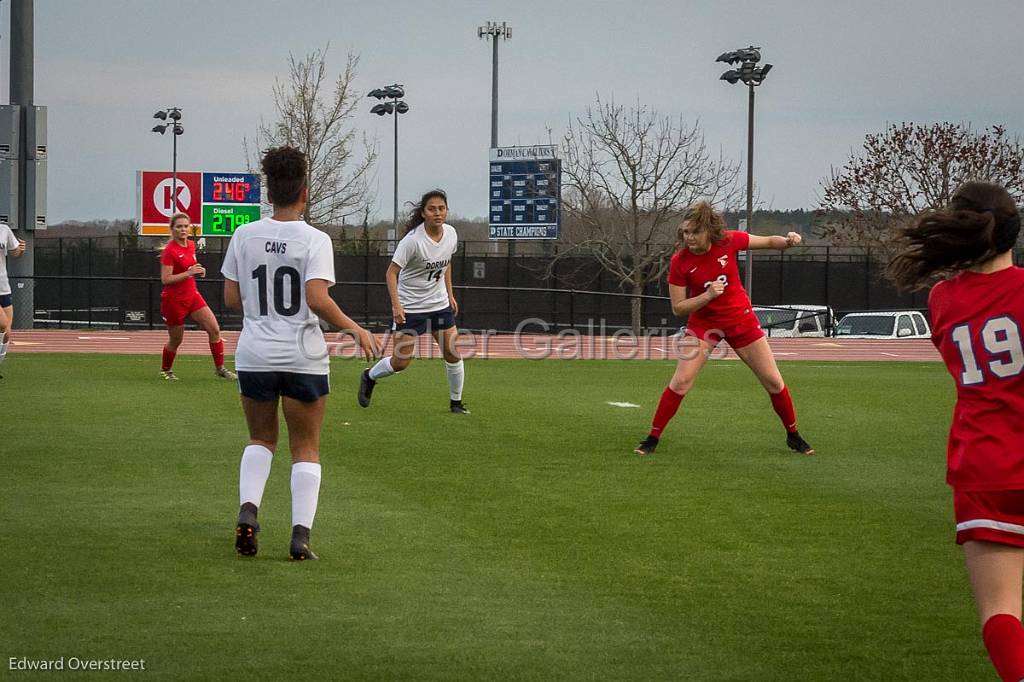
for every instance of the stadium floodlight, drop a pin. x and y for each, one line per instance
(174, 115)
(495, 32)
(396, 106)
(751, 75)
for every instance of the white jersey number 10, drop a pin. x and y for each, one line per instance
(282, 273)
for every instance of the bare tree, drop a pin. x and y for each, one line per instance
(319, 122)
(908, 169)
(627, 176)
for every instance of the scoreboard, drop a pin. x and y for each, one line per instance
(525, 188)
(217, 203)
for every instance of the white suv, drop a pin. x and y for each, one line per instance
(898, 324)
(790, 321)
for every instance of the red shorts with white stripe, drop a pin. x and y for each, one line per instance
(175, 310)
(989, 515)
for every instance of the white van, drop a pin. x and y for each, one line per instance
(898, 324)
(791, 321)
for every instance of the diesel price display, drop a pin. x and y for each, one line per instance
(230, 200)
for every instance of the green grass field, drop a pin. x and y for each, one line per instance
(522, 542)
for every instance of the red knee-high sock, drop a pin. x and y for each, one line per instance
(168, 359)
(218, 353)
(783, 405)
(1004, 639)
(667, 407)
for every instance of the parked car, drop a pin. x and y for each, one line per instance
(790, 321)
(898, 324)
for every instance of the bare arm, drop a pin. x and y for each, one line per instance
(232, 295)
(397, 311)
(451, 293)
(683, 306)
(167, 275)
(324, 307)
(775, 241)
(18, 251)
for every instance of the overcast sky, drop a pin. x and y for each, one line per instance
(842, 69)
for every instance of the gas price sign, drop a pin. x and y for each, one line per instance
(230, 200)
(217, 203)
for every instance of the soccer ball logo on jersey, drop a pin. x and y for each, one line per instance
(722, 260)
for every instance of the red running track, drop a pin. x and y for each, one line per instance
(564, 346)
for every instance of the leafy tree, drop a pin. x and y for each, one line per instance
(908, 169)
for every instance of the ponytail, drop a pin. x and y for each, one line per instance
(415, 218)
(980, 223)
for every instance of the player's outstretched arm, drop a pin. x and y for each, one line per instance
(324, 307)
(775, 241)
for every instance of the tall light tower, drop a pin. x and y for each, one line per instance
(173, 116)
(396, 106)
(752, 76)
(494, 31)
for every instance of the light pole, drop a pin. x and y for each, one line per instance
(396, 106)
(494, 31)
(174, 115)
(752, 76)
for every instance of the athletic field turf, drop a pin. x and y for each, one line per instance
(525, 541)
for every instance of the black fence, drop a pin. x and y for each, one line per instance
(134, 302)
(114, 281)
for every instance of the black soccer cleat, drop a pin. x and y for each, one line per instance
(648, 446)
(246, 530)
(366, 385)
(796, 442)
(457, 407)
(299, 550)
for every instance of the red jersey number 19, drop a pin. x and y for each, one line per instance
(1001, 337)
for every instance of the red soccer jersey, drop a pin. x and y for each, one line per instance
(976, 325)
(697, 272)
(180, 258)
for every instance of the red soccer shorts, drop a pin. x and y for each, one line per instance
(175, 310)
(989, 515)
(739, 335)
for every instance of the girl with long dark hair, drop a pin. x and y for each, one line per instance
(977, 313)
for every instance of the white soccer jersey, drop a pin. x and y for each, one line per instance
(421, 285)
(272, 261)
(8, 243)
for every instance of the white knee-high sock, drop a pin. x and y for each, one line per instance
(456, 377)
(382, 369)
(3, 350)
(305, 492)
(253, 474)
